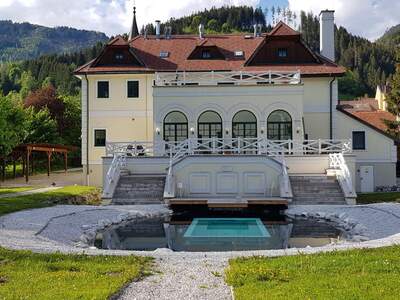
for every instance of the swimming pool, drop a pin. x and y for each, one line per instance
(217, 231)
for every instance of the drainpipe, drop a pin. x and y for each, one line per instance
(330, 108)
(87, 130)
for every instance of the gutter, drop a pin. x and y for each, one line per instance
(330, 108)
(87, 130)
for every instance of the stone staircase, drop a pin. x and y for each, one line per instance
(316, 190)
(139, 189)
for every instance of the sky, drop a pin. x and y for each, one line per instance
(367, 18)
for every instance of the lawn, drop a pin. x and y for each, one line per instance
(65, 195)
(27, 275)
(355, 274)
(378, 197)
(8, 190)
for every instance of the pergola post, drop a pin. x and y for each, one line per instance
(3, 169)
(14, 168)
(65, 161)
(48, 162)
(28, 153)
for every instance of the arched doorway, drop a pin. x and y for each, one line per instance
(209, 125)
(175, 127)
(244, 125)
(279, 125)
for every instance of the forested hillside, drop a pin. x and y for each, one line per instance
(21, 41)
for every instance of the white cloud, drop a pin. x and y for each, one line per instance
(367, 18)
(109, 16)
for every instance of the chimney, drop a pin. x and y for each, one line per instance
(158, 29)
(201, 31)
(327, 34)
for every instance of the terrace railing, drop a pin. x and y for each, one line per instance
(343, 174)
(220, 78)
(237, 146)
(233, 146)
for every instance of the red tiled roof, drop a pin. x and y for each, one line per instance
(283, 29)
(179, 47)
(375, 118)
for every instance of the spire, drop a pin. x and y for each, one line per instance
(134, 30)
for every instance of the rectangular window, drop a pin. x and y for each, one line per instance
(282, 52)
(99, 137)
(103, 89)
(133, 89)
(358, 140)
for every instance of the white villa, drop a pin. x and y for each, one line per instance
(226, 120)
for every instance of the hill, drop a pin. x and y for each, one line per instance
(391, 36)
(22, 41)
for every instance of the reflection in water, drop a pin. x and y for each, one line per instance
(160, 233)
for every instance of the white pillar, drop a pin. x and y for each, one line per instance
(327, 34)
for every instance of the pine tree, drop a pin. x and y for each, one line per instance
(393, 100)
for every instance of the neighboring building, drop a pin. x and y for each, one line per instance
(373, 113)
(255, 103)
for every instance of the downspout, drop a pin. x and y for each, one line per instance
(330, 108)
(87, 130)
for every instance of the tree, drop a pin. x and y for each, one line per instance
(40, 127)
(393, 100)
(47, 97)
(72, 115)
(212, 25)
(226, 28)
(12, 123)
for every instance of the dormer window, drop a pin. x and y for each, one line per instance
(205, 54)
(282, 52)
(239, 53)
(119, 57)
(164, 54)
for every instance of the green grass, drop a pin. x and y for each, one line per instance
(8, 190)
(378, 197)
(355, 274)
(27, 275)
(65, 195)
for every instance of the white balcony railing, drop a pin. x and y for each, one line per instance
(226, 78)
(343, 174)
(246, 146)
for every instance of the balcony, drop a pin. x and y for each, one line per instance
(173, 79)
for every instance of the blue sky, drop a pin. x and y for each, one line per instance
(367, 18)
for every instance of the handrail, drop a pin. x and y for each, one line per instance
(184, 78)
(253, 146)
(343, 174)
(113, 175)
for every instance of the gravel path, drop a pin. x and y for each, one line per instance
(183, 275)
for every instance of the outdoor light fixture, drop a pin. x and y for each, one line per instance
(226, 131)
(158, 131)
(192, 130)
(262, 130)
(298, 129)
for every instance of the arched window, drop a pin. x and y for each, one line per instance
(175, 127)
(279, 125)
(209, 125)
(244, 125)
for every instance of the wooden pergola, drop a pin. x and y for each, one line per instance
(25, 151)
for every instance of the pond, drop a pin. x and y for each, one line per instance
(219, 231)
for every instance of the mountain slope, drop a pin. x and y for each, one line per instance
(21, 41)
(391, 36)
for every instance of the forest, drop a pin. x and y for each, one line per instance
(40, 97)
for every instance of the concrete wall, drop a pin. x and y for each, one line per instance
(216, 176)
(380, 151)
(125, 119)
